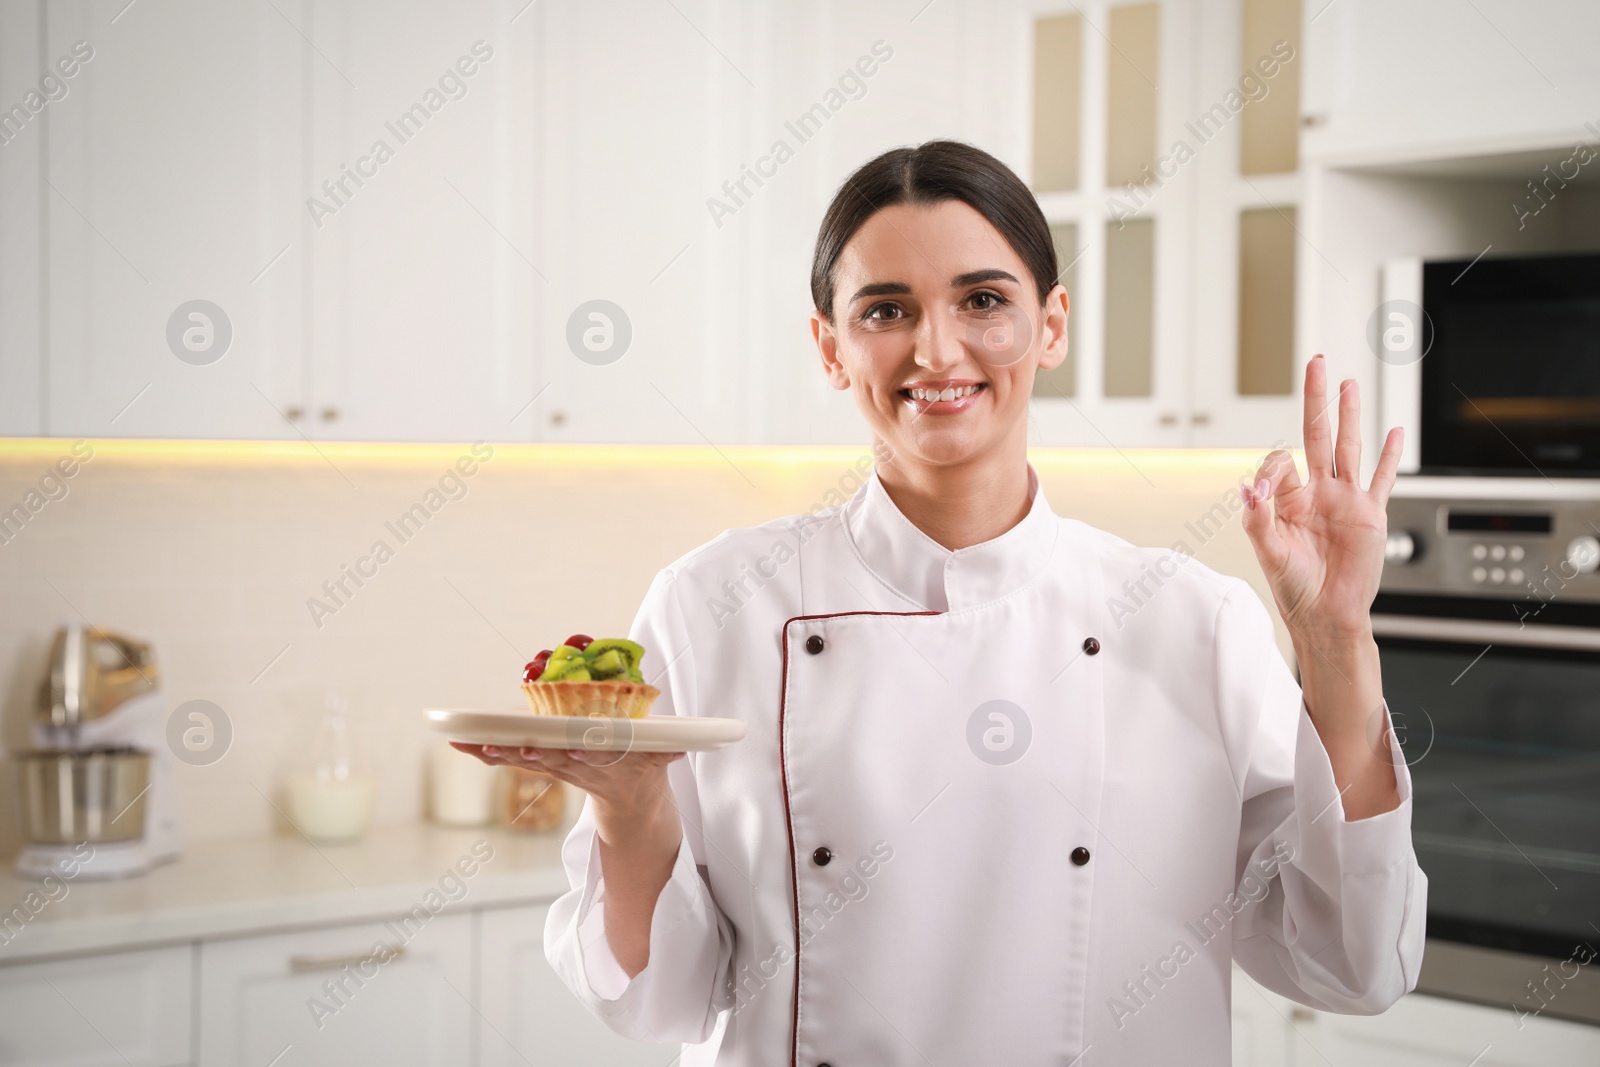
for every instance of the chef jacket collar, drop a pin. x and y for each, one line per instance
(918, 569)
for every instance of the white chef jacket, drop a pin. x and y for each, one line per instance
(1021, 803)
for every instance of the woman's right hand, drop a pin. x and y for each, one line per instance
(629, 788)
(637, 822)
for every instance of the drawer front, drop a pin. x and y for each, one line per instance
(377, 992)
(124, 1009)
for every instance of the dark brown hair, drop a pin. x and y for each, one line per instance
(928, 174)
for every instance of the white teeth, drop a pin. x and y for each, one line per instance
(948, 393)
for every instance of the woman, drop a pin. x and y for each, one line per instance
(979, 816)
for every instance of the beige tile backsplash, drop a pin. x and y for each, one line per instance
(211, 554)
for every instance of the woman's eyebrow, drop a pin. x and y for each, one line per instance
(976, 277)
(881, 289)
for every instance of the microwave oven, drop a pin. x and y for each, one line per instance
(1492, 364)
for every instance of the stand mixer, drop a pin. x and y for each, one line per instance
(102, 771)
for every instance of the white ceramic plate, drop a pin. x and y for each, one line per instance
(653, 733)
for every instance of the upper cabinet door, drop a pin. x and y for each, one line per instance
(641, 292)
(1248, 342)
(22, 228)
(1166, 158)
(298, 220)
(690, 153)
(1391, 81)
(1112, 90)
(171, 187)
(842, 82)
(419, 219)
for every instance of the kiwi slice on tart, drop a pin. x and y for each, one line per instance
(609, 659)
(631, 652)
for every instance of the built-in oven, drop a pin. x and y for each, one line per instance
(1493, 363)
(1488, 625)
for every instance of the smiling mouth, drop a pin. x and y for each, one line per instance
(948, 395)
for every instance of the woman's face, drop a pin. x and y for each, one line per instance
(937, 330)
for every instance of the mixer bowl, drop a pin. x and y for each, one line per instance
(94, 795)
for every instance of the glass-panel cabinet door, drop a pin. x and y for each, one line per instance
(1111, 85)
(1248, 347)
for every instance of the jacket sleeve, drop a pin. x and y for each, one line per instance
(1332, 912)
(676, 997)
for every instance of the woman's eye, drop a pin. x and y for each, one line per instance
(986, 301)
(882, 313)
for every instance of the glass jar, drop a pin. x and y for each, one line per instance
(532, 801)
(330, 790)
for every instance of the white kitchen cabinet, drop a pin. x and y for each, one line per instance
(424, 277)
(943, 70)
(438, 297)
(215, 153)
(1261, 1024)
(466, 989)
(685, 178)
(1432, 78)
(1132, 247)
(325, 996)
(528, 1016)
(1418, 1031)
(173, 175)
(21, 206)
(585, 161)
(1248, 345)
(1425, 1031)
(1220, 365)
(642, 113)
(123, 1009)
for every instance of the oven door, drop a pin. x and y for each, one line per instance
(1500, 726)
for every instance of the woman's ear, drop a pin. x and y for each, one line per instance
(1054, 326)
(828, 348)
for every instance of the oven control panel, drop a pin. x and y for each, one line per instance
(1513, 545)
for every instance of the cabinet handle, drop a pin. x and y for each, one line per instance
(1314, 120)
(1169, 419)
(1200, 418)
(1302, 1015)
(558, 418)
(294, 414)
(303, 964)
(329, 414)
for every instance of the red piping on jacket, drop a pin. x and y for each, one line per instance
(788, 816)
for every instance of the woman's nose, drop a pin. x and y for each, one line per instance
(938, 343)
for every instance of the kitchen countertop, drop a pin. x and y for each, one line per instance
(237, 888)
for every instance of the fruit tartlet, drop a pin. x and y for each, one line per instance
(582, 676)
